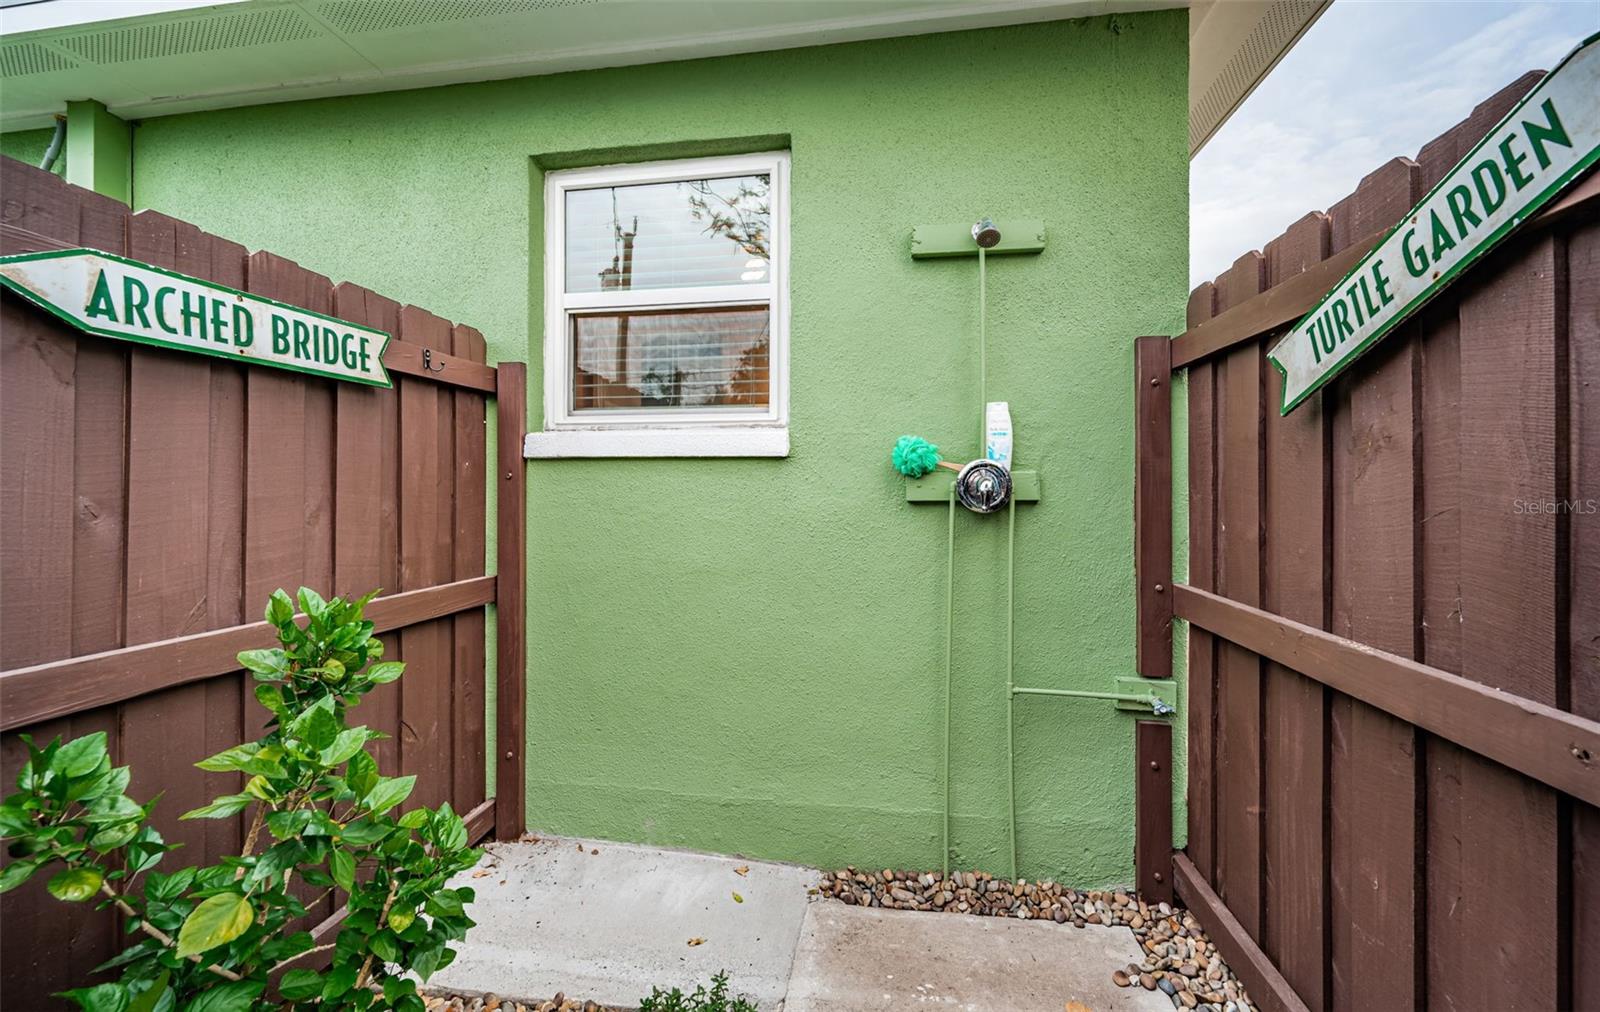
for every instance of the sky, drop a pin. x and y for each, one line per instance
(1370, 80)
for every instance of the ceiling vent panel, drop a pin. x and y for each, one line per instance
(24, 58)
(194, 35)
(354, 17)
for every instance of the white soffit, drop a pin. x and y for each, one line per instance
(158, 57)
(1233, 45)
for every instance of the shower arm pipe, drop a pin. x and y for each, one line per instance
(983, 353)
(1158, 706)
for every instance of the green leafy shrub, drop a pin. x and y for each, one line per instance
(702, 1000)
(221, 938)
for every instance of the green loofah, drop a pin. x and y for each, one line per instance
(914, 456)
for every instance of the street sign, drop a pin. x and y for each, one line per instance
(1550, 139)
(112, 296)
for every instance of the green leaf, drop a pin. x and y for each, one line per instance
(312, 604)
(297, 984)
(317, 726)
(112, 837)
(224, 807)
(76, 884)
(449, 832)
(229, 760)
(279, 608)
(397, 987)
(385, 672)
(216, 921)
(271, 697)
(166, 888)
(233, 996)
(364, 832)
(342, 866)
(146, 1001)
(400, 917)
(388, 792)
(118, 809)
(445, 903)
(385, 946)
(361, 774)
(264, 662)
(80, 756)
(16, 873)
(345, 746)
(283, 825)
(339, 980)
(100, 998)
(414, 819)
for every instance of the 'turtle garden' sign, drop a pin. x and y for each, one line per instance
(116, 297)
(1550, 139)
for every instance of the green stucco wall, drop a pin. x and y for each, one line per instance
(745, 655)
(30, 145)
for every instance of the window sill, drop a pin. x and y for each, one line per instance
(705, 442)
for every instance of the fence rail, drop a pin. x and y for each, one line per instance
(154, 500)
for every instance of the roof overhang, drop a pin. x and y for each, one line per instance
(147, 58)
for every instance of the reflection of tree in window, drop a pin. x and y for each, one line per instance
(743, 217)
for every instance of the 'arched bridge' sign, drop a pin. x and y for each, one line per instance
(112, 296)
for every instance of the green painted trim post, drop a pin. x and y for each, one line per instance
(99, 150)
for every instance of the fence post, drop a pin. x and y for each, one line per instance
(1152, 566)
(511, 393)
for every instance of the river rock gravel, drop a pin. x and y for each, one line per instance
(1180, 960)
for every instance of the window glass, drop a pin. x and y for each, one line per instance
(684, 234)
(710, 357)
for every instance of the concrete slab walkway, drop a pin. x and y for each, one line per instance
(608, 921)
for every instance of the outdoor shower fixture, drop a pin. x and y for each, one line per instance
(989, 485)
(985, 234)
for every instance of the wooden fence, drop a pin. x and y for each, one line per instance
(153, 499)
(1394, 609)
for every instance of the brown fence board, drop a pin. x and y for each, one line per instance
(1238, 714)
(1295, 522)
(1507, 831)
(469, 539)
(426, 523)
(1374, 757)
(1202, 667)
(1583, 653)
(160, 497)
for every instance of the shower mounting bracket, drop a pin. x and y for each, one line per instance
(1017, 236)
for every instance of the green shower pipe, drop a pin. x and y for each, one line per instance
(1011, 691)
(949, 649)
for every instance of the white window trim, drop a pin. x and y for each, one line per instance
(645, 433)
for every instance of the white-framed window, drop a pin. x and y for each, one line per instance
(666, 309)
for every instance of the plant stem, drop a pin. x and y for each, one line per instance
(366, 964)
(283, 963)
(158, 934)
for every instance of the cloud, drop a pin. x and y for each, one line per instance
(1368, 82)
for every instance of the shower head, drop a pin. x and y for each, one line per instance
(985, 234)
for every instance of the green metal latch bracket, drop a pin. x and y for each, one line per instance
(1155, 696)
